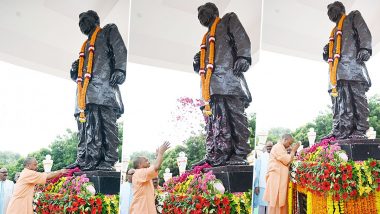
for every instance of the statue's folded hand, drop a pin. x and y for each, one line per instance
(117, 77)
(363, 55)
(241, 65)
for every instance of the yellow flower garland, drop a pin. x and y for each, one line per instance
(333, 63)
(206, 76)
(82, 90)
(330, 205)
(290, 198)
(309, 200)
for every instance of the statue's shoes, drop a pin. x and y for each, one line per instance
(199, 163)
(72, 166)
(237, 162)
(358, 136)
(104, 166)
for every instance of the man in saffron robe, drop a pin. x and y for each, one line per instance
(22, 198)
(278, 175)
(350, 107)
(98, 135)
(143, 200)
(227, 127)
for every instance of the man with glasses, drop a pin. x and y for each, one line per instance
(6, 190)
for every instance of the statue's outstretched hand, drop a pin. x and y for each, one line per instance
(241, 65)
(363, 55)
(117, 77)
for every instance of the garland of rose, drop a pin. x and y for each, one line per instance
(333, 63)
(82, 90)
(206, 76)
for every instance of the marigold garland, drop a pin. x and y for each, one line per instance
(309, 200)
(334, 60)
(290, 198)
(206, 75)
(377, 203)
(82, 89)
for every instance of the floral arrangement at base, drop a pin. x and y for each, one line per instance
(322, 204)
(73, 194)
(331, 183)
(198, 192)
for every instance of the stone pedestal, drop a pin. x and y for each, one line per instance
(105, 182)
(235, 178)
(361, 149)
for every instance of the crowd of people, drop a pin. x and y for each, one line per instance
(272, 176)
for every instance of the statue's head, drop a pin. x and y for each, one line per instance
(335, 11)
(207, 14)
(88, 21)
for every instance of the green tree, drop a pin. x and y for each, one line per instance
(276, 133)
(195, 149)
(8, 157)
(64, 149)
(374, 113)
(252, 129)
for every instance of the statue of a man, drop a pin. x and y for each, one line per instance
(225, 54)
(348, 49)
(101, 67)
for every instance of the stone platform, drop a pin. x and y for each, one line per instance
(235, 178)
(105, 182)
(361, 149)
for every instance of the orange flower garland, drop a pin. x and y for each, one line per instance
(333, 63)
(82, 90)
(206, 76)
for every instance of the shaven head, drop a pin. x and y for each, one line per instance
(268, 146)
(3, 174)
(141, 162)
(30, 163)
(287, 140)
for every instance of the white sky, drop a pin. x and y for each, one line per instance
(287, 91)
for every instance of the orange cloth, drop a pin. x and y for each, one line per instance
(22, 198)
(143, 191)
(277, 179)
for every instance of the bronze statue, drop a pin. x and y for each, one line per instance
(98, 72)
(350, 80)
(227, 123)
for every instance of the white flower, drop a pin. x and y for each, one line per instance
(219, 187)
(343, 156)
(91, 189)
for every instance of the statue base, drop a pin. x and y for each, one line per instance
(105, 182)
(361, 149)
(235, 178)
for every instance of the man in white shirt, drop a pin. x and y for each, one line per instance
(260, 181)
(127, 195)
(6, 190)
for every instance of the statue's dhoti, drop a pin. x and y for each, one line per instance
(227, 131)
(350, 109)
(98, 138)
